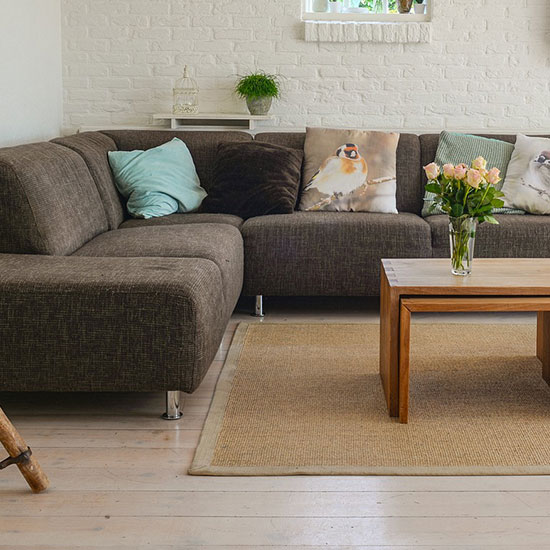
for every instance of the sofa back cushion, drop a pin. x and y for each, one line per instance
(254, 179)
(430, 142)
(202, 145)
(49, 203)
(94, 148)
(410, 191)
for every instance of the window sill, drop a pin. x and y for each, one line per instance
(367, 17)
(351, 29)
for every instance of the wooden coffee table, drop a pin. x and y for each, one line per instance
(408, 286)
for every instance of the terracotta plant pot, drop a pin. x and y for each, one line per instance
(259, 106)
(404, 6)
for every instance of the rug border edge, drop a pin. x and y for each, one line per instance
(425, 471)
(204, 453)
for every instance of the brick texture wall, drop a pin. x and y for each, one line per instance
(487, 67)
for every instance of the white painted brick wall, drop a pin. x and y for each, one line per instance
(487, 67)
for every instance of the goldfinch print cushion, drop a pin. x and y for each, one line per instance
(349, 171)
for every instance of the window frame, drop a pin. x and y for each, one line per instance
(309, 15)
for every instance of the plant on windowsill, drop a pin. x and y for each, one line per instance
(468, 195)
(372, 6)
(258, 89)
(404, 6)
(419, 7)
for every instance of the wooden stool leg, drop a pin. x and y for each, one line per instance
(15, 445)
(543, 343)
(404, 361)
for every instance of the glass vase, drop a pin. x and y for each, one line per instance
(319, 6)
(462, 233)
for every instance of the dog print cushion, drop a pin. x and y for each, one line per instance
(527, 183)
(349, 171)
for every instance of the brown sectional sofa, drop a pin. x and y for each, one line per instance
(91, 300)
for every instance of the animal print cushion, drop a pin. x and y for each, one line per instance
(527, 183)
(349, 171)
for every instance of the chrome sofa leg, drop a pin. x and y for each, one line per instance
(172, 406)
(259, 307)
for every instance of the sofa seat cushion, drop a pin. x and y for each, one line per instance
(182, 219)
(327, 253)
(221, 244)
(521, 236)
(72, 323)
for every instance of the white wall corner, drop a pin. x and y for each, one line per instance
(350, 31)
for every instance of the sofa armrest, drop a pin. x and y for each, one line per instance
(108, 324)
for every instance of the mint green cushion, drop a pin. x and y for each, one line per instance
(157, 182)
(456, 148)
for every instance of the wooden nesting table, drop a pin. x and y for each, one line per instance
(409, 286)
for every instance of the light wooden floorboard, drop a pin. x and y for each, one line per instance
(280, 504)
(119, 479)
(289, 531)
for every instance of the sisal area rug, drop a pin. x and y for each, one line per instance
(307, 399)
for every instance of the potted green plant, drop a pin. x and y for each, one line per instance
(419, 7)
(258, 89)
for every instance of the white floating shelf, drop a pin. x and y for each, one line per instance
(213, 121)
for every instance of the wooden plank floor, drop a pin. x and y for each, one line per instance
(119, 480)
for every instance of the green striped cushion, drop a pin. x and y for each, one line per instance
(456, 148)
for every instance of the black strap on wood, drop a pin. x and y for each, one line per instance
(23, 458)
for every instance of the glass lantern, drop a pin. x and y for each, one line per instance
(186, 95)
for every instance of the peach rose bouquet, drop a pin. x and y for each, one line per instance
(463, 190)
(468, 194)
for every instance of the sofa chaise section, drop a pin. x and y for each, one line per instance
(85, 306)
(108, 324)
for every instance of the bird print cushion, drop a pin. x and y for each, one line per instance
(349, 171)
(527, 183)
